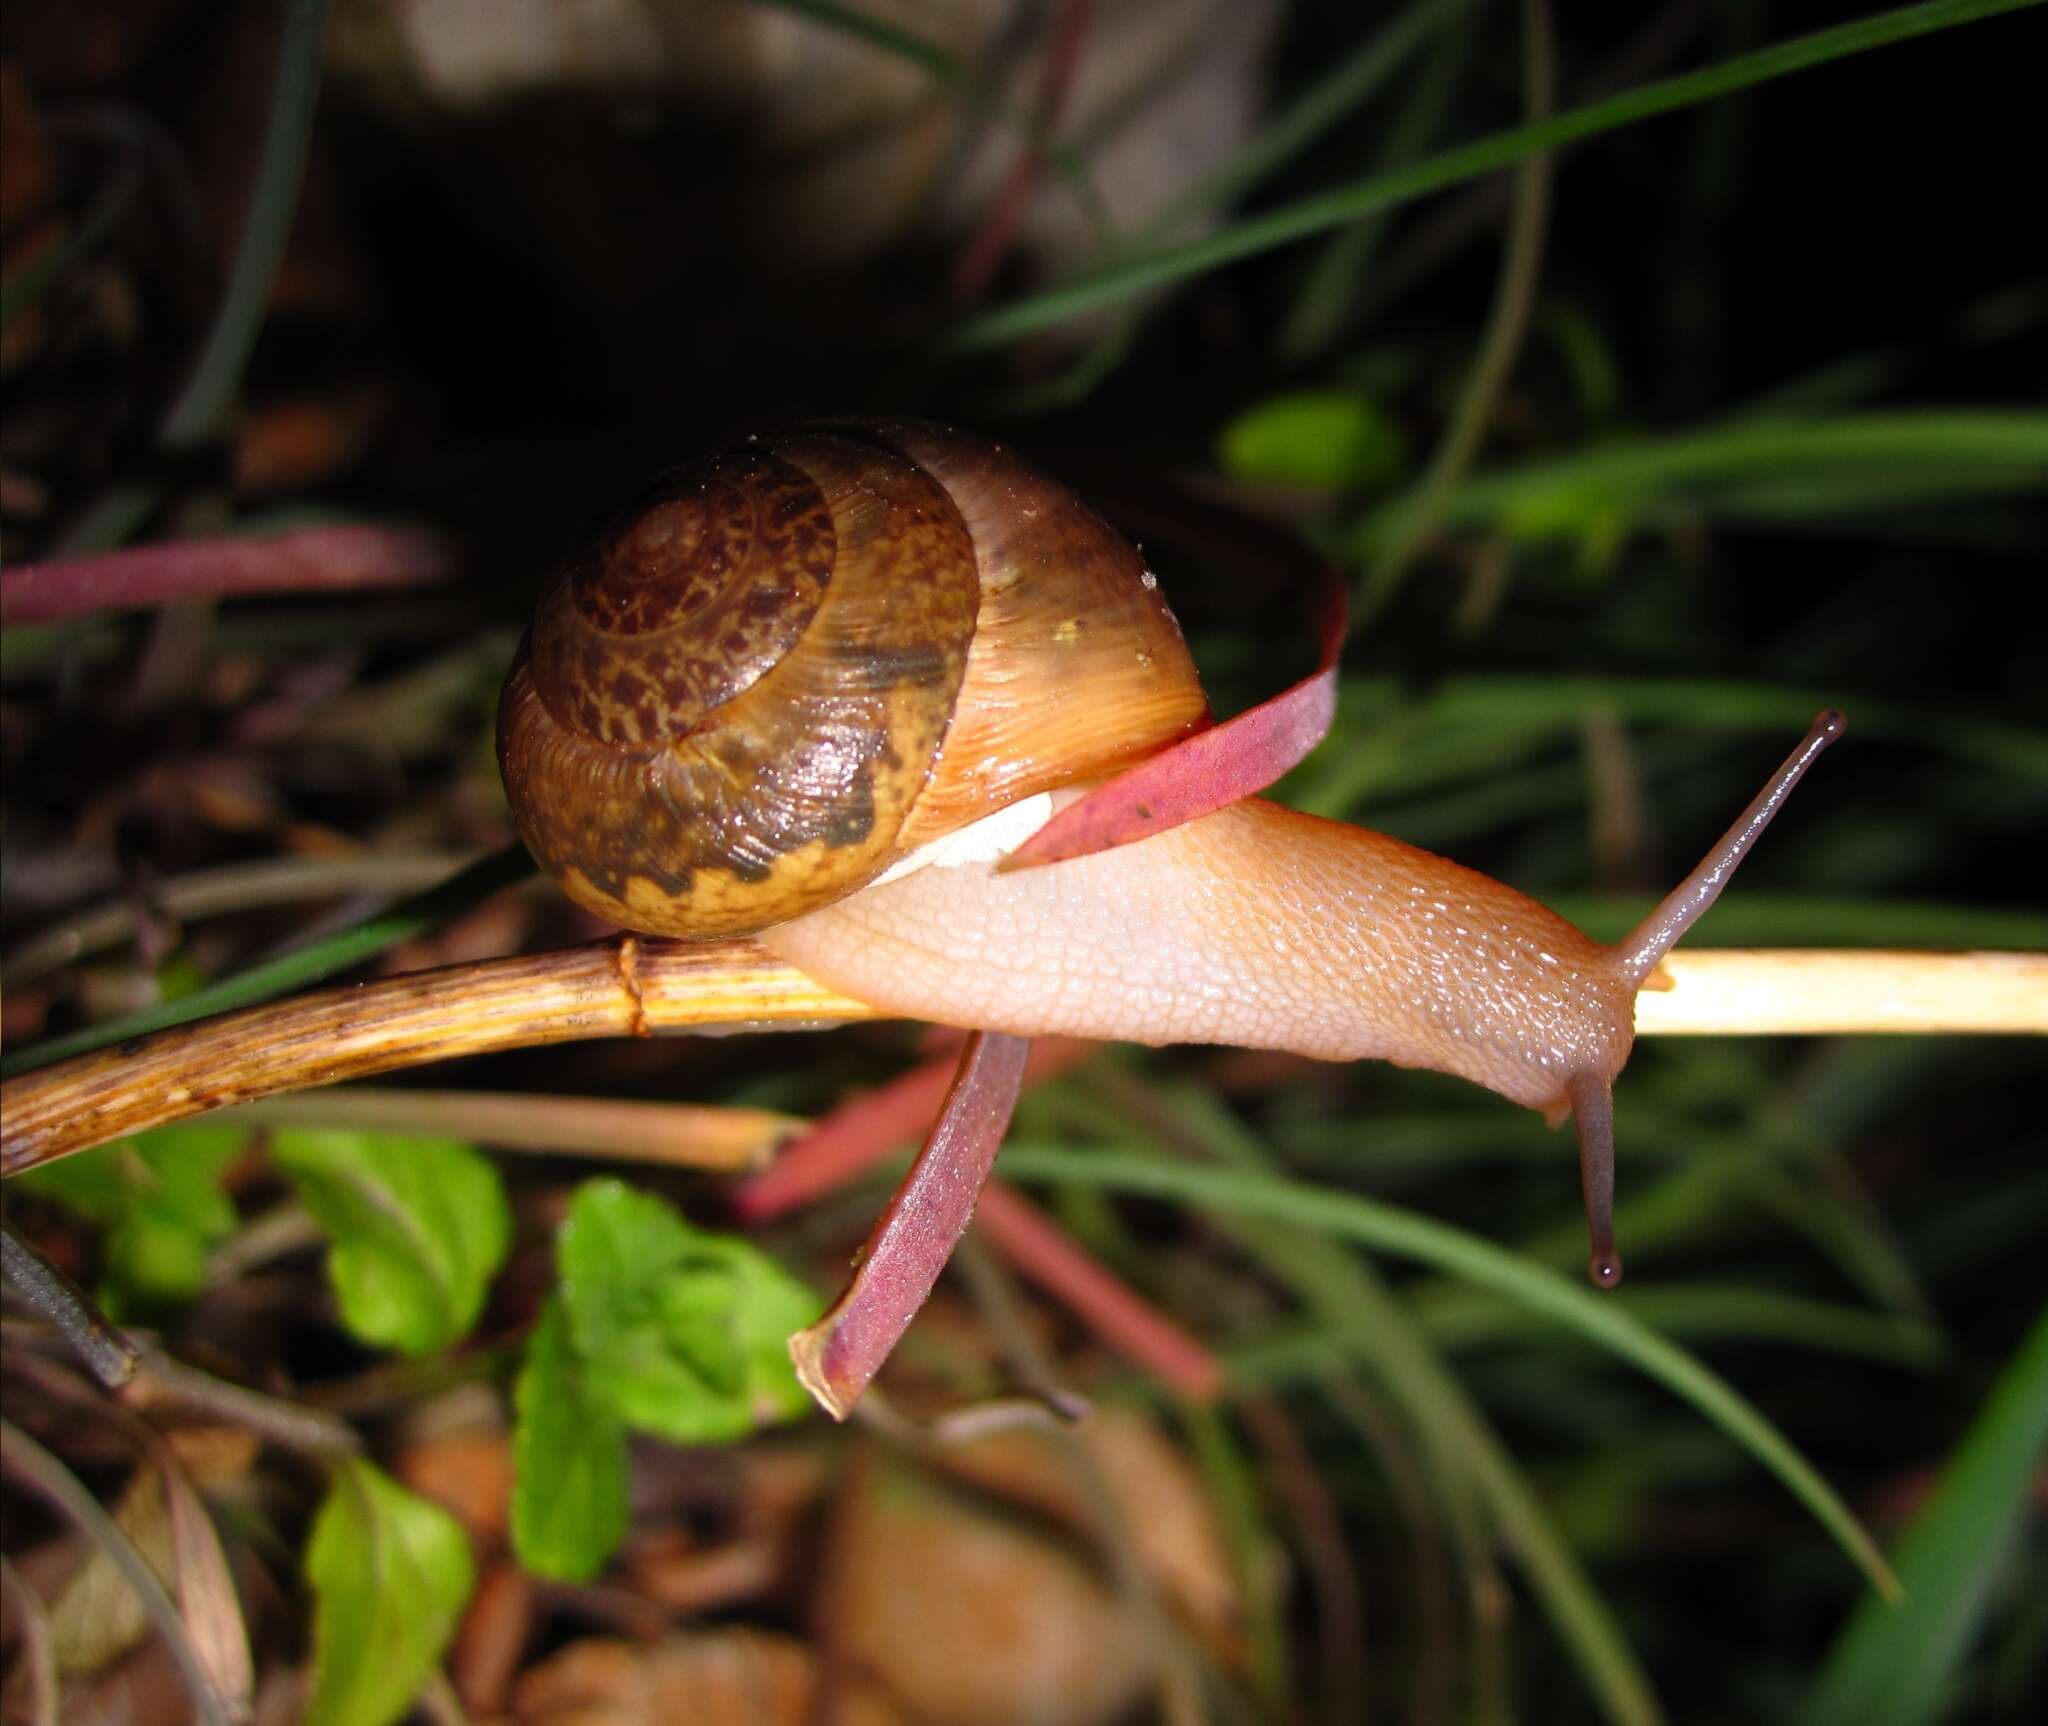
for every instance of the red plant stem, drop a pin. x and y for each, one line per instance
(845, 1143)
(991, 244)
(306, 560)
(1047, 1255)
(836, 1357)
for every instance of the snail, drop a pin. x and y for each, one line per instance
(820, 686)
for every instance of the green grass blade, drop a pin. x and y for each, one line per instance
(1327, 210)
(1893, 1665)
(202, 405)
(1378, 1329)
(1477, 727)
(1460, 1317)
(1391, 1230)
(1330, 298)
(1752, 466)
(1321, 106)
(1362, 1321)
(1819, 920)
(1358, 77)
(403, 921)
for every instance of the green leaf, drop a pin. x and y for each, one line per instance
(684, 1330)
(1332, 439)
(390, 1575)
(418, 1227)
(1895, 1664)
(569, 1452)
(158, 1197)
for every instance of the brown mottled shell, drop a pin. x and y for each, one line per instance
(797, 660)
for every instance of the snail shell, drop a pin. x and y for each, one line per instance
(796, 661)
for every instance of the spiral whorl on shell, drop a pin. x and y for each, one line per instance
(798, 659)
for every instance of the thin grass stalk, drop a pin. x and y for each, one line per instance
(1514, 297)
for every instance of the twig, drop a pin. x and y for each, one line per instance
(49, 1292)
(579, 992)
(677, 1135)
(230, 887)
(607, 989)
(339, 558)
(299, 966)
(1771, 992)
(166, 1380)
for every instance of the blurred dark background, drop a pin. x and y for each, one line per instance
(533, 263)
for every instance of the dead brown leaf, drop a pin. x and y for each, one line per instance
(718, 1678)
(972, 1619)
(1171, 1521)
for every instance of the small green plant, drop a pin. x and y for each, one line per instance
(390, 1575)
(656, 1327)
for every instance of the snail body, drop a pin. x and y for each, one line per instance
(1256, 926)
(818, 687)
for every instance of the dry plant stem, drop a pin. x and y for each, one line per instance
(630, 987)
(307, 560)
(231, 887)
(110, 1356)
(836, 1357)
(618, 988)
(165, 1381)
(1796, 991)
(674, 1135)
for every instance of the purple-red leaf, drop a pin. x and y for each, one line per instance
(856, 1134)
(1205, 772)
(836, 1357)
(331, 559)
